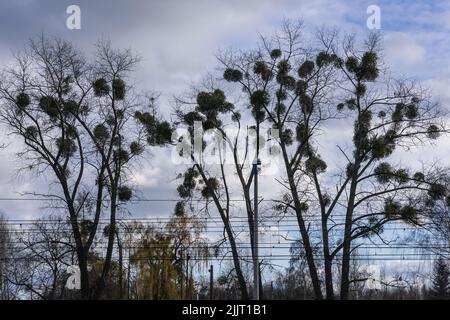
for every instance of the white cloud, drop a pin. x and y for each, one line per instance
(440, 88)
(401, 49)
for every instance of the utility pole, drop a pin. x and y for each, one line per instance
(188, 287)
(271, 290)
(181, 273)
(211, 281)
(31, 291)
(256, 164)
(129, 265)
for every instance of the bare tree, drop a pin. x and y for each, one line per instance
(274, 94)
(375, 192)
(213, 182)
(7, 291)
(343, 82)
(437, 216)
(76, 119)
(43, 252)
(268, 94)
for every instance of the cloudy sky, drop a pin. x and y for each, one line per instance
(177, 41)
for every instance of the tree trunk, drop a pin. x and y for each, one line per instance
(329, 278)
(303, 230)
(328, 260)
(119, 245)
(84, 275)
(82, 254)
(346, 246)
(237, 265)
(111, 235)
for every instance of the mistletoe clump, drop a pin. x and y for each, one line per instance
(433, 132)
(259, 101)
(136, 148)
(101, 87)
(366, 69)
(263, 71)
(232, 75)
(186, 189)
(373, 227)
(383, 172)
(306, 103)
(437, 191)
(71, 131)
(275, 53)
(412, 111)
(306, 69)
(158, 132)
(301, 87)
(191, 117)
(101, 133)
(303, 207)
(301, 132)
(124, 193)
(398, 113)
(70, 107)
(121, 155)
(212, 103)
(351, 104)
(31, 133)
(23, 100)
(361, 130)
(66, 147)
(283, 77)
(419, 176)
(409, 213)
(286, 137)
(401, 176)
(179, 209)
(393, 210)
(209, 106)
(119, 89)
(315, 164)
(49, 106)
(382, 147)
(236, 117)
(211, 186)
(324, 58)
